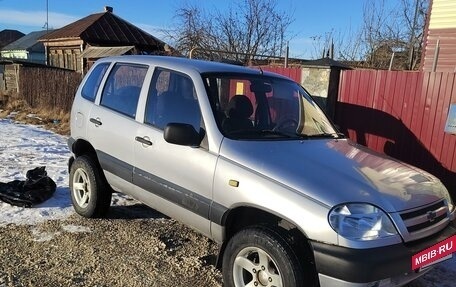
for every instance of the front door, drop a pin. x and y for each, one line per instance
(176, 180)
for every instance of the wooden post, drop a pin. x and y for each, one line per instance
(16, 70)
(391, 62)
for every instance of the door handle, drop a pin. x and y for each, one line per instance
(143, 140)
(96, 121)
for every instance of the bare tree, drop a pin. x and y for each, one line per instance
(194, 29)
(414, 19)
(248, 28)
(389, 34)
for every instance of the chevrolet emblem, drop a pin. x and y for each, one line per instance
(431, 215)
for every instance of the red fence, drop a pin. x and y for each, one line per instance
(292, 73)
(401, 114)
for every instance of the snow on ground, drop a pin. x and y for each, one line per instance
(24, 147)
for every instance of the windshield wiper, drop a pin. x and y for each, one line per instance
(275, 133)
(324, 135)
(252, 133)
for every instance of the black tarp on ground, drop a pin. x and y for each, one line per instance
(37, 188)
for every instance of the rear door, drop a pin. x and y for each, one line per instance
(112, 124)
(176, 180)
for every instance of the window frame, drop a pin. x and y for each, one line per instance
(152, 95)
(110, 83)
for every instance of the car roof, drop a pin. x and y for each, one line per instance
(185, 64)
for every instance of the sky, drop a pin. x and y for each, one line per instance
(24, 147)
(311, 18)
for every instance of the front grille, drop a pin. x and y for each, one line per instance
(425, 217)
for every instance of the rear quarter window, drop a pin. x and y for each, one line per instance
(90, 89)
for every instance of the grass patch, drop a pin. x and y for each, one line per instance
(52, 119)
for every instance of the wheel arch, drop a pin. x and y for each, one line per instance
(243, 217)
(82, 147)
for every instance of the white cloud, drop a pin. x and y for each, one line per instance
(34, 18)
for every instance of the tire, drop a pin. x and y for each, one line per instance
(260, 256)
(90, 193)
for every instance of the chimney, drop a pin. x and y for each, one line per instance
(108, 9)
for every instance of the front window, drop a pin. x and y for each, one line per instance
(172, 99)
(264, 107)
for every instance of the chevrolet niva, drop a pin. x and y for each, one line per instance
(248, 159)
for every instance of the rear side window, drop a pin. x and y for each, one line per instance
(90, 89)
(122, 88)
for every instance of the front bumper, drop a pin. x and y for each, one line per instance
(341, 266)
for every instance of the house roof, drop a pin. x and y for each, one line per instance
(7, 36)
(106, 29)
(28, 42)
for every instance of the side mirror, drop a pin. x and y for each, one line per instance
(181, 134)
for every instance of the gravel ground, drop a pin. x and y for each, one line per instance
(135, 246)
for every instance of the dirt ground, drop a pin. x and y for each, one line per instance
(134, 246)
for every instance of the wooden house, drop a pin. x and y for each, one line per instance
(78, 44)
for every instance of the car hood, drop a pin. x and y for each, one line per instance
(335, 171)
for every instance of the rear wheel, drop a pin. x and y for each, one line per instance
(260, 256)
(90, 194)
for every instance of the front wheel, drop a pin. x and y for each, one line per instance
(90, 194)
(260, 256)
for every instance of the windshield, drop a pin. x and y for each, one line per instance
(264, 107)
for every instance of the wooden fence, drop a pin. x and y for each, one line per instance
(401, 114)
(49, 88)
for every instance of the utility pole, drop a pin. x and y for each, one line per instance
(46, 61)
(47, 15)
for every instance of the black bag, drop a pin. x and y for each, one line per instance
(37, 188)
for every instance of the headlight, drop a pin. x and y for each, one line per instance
(361, 221)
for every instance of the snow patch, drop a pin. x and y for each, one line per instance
(41, 236)
(76, 228)
(24, 147)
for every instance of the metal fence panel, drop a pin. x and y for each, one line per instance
(401, 114)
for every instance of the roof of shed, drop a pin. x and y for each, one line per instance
(325, 62)
(99, 52)
(105, 29)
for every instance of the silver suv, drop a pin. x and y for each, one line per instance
(248, 159)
